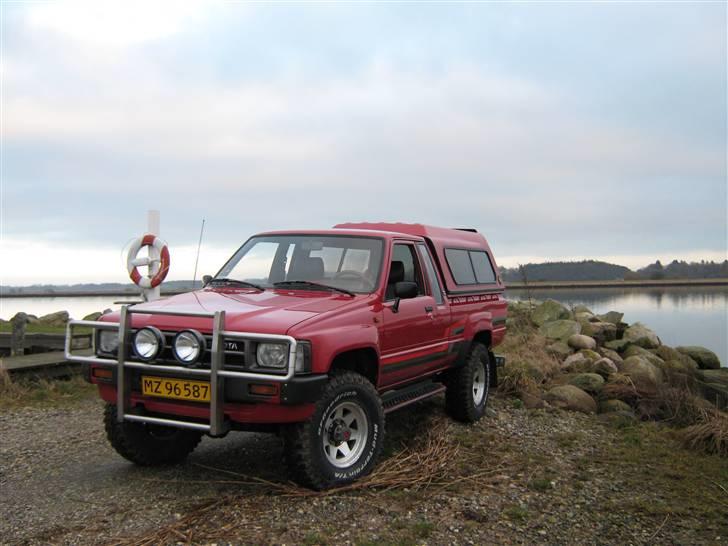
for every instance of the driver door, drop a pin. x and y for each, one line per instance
(414, 339)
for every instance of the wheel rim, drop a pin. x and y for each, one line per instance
(345, 434)
(479, 383)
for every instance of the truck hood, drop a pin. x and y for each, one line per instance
(268, 312)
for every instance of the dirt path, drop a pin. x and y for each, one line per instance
(520, 477)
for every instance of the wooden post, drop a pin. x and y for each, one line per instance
(17, 339)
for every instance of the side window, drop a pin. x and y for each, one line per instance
(460, 266)
(484, 272)
(404, 267)
(431, 273)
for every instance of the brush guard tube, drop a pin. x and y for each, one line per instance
(216, 374)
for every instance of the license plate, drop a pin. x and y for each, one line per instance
(179, 389)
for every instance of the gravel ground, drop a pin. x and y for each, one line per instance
(555, 478)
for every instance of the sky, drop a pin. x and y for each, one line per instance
(561, 130)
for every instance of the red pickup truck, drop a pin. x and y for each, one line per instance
(315, 335)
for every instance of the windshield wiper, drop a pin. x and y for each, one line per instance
(313, 285)
(225, 280)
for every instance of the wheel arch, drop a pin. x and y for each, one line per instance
(485, 337)
(362, 360)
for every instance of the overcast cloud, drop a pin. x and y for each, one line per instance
(559, 130)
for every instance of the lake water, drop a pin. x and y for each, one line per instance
(679, 315)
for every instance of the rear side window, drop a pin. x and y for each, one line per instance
(470, 266)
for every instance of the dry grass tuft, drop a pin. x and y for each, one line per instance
(710, 436)
(29, 392)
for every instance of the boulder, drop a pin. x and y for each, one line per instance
(559, 349)
(588, 382)
(639, 334)
(612, 317)
(601, 331)
(59, 318)
(581, 362)
(611, 406)
(642, 372)
(92, 316)
(578, 341)
(668, 353)
(591, 355)
(560, 329)
(20, 319)
(549, 311)
(610, 354)
(584, 317)
(714, 386)
(636, 350)
(705, 358)
(605, 367)
(571, 398)
(618, 345)
(582, 309)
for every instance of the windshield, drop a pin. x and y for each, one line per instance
(349, 263)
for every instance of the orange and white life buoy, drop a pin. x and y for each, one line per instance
(132, 262)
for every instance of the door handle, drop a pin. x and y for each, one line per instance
(428, 308)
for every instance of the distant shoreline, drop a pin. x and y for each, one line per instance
(639, 283)
(535, 285)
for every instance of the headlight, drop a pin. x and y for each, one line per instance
(272, 355)
(108, 341)
(189, 346)
(148, 343)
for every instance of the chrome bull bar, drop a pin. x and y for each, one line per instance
(216, 374)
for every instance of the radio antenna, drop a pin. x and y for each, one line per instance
(197, 258)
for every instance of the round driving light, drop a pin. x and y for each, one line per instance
(189, 346)
(272, 355)
(148, 343)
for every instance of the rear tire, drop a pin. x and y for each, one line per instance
(469, 385)
(149, 445)
(342, 440)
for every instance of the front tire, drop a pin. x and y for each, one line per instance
(149, 445)
(342, 440)
(469, 385)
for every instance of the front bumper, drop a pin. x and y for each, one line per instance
(227, 388)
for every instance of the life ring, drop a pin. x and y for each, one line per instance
(132, 262)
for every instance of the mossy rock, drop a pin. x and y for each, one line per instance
(578, 363)
(618, 345)
(636, 350)
(92, 316)
(613, 317)
(705, 358)
(560, 329)
(601, 331)
(582, 309)
(579, 341)
(588, 382)
(591, 355)
(643, 372)
(613, 405)
(668, 353)
(605, 367)
(571, 398)
(639, 334)
(549, 311)
(559, 349)
(610, 354)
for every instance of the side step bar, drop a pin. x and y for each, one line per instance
(405, 396)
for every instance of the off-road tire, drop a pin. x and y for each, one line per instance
(305, 454)
(459, 396)
(149, 445)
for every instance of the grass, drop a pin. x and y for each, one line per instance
(7, 328)
(42, 392)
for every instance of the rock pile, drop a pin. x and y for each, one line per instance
(603, 361)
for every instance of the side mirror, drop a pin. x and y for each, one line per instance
(206, 279)
(404, 290)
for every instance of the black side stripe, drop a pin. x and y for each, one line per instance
(391, 368)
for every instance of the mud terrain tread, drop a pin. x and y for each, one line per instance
(459, 395)
(127, 442)
(298, 437)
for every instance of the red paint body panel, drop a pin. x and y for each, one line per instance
(419, 340)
